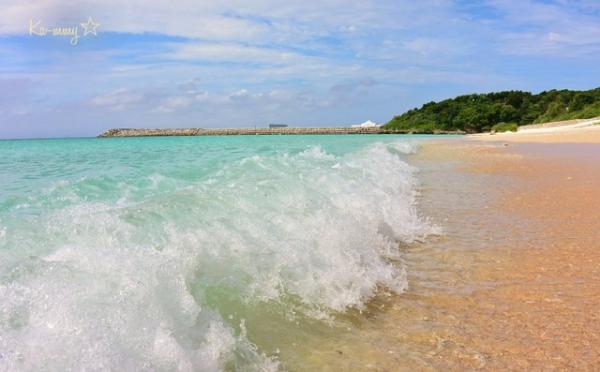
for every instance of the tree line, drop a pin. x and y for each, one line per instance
(480, 112)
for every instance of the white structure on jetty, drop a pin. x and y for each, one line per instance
(367, 124)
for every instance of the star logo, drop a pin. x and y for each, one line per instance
(90, 27)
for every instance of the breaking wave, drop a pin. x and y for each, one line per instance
(175, 267)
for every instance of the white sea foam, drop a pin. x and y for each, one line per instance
(148, 281)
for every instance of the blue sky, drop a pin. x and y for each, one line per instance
(253, 62)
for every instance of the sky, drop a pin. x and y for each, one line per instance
(247, 63)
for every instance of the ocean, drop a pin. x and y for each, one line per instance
(198, 253)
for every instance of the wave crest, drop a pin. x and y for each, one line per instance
(162, 273)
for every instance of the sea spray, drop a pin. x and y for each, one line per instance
(192, 253)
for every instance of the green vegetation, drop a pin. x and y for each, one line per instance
(480, 112)
(505, 127)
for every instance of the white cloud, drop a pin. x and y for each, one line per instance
(174, 103)
(231, 52)
(264, 101)
(117, 100)
(227, 20)
(563, 29)
(259, 60)
(304, 23)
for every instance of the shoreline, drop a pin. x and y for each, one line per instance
(142, 132)
(512, 282)
(531, 271)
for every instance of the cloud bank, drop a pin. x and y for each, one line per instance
(247, 63)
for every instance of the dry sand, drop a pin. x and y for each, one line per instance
(588, 134)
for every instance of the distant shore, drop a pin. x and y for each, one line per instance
(134, 132)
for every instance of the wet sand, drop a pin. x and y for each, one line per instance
(512, 283)
(542, 307)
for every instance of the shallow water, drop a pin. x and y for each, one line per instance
(211, 253)
(436, 323)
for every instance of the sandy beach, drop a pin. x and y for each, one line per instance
(537, 299)
(573, 133)
(543, 312)
(512, 283)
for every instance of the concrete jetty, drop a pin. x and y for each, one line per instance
(134, 132)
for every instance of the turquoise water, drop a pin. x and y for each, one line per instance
(195, 253)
